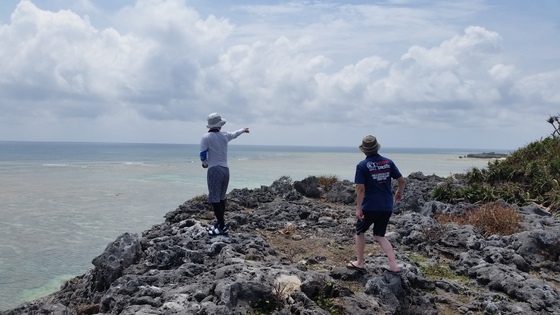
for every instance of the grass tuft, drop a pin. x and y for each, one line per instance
(327, 181)
(490, 219)
(200, 198)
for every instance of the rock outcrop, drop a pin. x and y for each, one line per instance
(487, 155)
(286, 254)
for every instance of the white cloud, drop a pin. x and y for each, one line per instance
(540, 90)
(152, 66)
(160, 61)
(442, 81)
(503, 73)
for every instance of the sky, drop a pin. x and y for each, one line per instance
(414, 73)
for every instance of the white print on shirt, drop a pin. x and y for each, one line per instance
(379, 171)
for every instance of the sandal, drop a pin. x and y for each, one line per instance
(214, 231)
(351, 265)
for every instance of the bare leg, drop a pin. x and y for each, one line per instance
(360, 249)
(388, 249)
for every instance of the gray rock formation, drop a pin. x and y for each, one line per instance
(287, 252)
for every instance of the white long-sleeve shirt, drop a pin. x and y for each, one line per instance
(214, 147)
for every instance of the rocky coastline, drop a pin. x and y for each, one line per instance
(286, 254)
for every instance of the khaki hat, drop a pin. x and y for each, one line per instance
(369, 144)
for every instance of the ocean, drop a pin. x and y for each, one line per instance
(62, 203)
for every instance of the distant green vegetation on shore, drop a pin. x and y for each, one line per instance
(528, 175)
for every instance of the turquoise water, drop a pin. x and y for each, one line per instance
(62, 203)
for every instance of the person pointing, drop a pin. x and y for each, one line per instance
(213, 155)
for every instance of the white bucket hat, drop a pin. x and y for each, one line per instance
(215, 121)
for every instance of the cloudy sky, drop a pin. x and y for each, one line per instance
(415, 73)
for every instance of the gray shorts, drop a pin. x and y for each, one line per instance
(218, 180)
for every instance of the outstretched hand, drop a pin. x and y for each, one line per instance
(246, 130)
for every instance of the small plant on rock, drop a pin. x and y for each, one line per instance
(265, 306)
(490, 218)
(434, 232)
(326, 182)
(200, 198)
(438, 271)
(281, 289)
(325, 299)
(494, 218)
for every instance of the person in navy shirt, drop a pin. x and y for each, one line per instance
(374, 201)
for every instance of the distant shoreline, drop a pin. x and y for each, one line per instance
(487, 155)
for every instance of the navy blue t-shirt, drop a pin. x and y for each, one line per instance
(376, 172)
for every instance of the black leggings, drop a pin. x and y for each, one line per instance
(219, 211)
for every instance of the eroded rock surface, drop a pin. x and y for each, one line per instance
(286, 254)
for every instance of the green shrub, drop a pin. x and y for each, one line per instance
(529, 174)
(446, 192)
